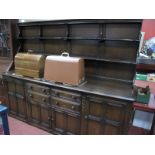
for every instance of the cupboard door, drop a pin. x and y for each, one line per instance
(11, 86)
(38, 114)
(44, 116)
(94, 127)
(34, 112)
(12, 103)
(21, 104)
(19, 87)
(111, 129)
(105, 116)
(65, 123)
(93, 114)
(115, 111)
(3, 92)
(73, 124)
(58, 120)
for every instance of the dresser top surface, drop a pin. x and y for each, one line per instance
(106, 88)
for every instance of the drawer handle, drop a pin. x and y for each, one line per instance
(50, 119)
(30, 87)
(44, 100)
(57, 103)
(56, 93)
(73, 97)
(30, 95)
(44, 90)
(86, 117)
(73, 107)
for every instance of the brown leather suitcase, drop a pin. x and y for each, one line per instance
(64, 69)
(31, 65)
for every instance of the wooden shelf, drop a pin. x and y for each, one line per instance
(76, 38)
(108, 60)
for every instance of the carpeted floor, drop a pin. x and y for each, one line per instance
(20, 128)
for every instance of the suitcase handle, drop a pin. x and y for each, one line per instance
(65, 54)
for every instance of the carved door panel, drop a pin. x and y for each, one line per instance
(94, 127)
(21, 106)
(112, 129)
(58, 120)
(65, 123)
(93, 113)
(44, 116)
(104, 116)
(12, 103)
(34, 112)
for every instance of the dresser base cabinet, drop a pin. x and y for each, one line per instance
(101, 104)
(62, 111)
(106, 116)
(16, 98)
(65, 123)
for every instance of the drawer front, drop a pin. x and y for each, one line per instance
(66, 95)
(65, 104)
(42, 99)
(37, 88)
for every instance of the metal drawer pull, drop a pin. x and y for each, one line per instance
(86, 117)
(30, 87)
(73, 97)
(73, 107)
(44, 100)
(44, 90)
(56, 93)
(57, 103)
(50, 119)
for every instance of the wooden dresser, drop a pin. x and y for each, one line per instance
(8, 46)
(100, 105)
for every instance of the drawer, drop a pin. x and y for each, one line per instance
(66, 95)
(38, 98)
(37, 88)
(62, 103)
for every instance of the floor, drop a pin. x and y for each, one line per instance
(20, 128)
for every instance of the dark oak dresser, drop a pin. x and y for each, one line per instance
(100, 105)
(8, 46)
